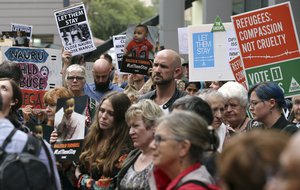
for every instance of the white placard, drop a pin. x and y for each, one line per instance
(209, 53)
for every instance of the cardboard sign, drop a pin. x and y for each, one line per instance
(269, 47)
(74, 29)
(40, 67)
(209, 53)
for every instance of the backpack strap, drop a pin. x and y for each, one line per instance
(197, 182)
(8, 139)
(33, 146)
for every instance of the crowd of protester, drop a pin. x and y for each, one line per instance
(154, 134)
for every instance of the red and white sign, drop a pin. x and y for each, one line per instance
(266, 35)
(238, 71)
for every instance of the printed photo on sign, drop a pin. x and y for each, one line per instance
(74, 30)
(140, 41)
(69, 122)
(139, 49)
(18, 38)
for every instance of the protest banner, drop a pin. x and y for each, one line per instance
(209, 53)
(74, 29)
(269, 47)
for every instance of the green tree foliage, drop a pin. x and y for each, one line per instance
(110, 17)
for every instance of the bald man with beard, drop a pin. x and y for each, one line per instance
(102, 83)
(166, 68)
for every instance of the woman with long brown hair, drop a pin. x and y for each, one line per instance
(106, 144)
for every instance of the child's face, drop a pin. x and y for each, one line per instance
(139, 34)
(69, 107)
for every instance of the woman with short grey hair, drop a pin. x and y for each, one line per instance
(75, 79)
(180, 140)
(235, 114)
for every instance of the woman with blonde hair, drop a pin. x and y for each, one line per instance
(140, 118)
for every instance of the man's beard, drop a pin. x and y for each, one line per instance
(102, 86)
(162, 81)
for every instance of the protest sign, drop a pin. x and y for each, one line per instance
(183, 40)
(40, 67)
(269, 46)
(119, 44)
(67, 150)
(22, 27)
(139, 48)
(69, 123)
(136, 65)
(209, 53)
(74, 29)
(238, 70)
(33, 98)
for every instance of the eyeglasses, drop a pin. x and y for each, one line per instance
(158, 139)
(75, 77)
(254, 103)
